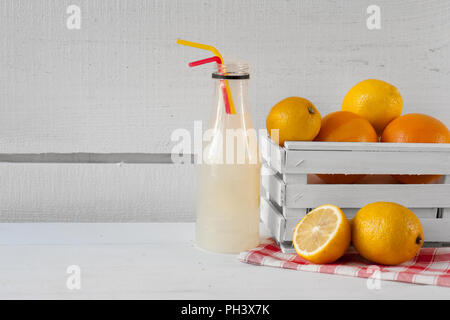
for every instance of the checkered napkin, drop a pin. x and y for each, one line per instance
(430, 266)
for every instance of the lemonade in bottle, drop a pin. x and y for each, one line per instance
(228, 187)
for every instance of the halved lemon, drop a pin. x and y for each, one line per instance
(323, 235)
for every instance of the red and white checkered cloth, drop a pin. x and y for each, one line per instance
(430, 266)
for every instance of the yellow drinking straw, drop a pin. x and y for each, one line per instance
(216, 53)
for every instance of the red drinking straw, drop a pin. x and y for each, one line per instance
(222, 82)
(207, 60)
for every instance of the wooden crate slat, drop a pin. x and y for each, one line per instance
(272, 184)
(273, 154)
(358, 195)
(272, 219)
(366, 146)
(295, 178)
(298, 213)
(264, 149)
(363, 162)
(353, 195)
(357, 157)
(445, 212)
(436, 230)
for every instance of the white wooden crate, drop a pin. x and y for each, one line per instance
(289, 190)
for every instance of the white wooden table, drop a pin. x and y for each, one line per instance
(158, 261)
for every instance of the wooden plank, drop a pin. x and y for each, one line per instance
(355, 195)
(358, 195)
(445, 212)
(295, 178)
(366, 146)
(120, 83)
(435, 230)
(264, 148)
(298, 213)
(97, 192)
(362, 162)
(125, 87)
(36, 256)
(426, 215)
(272, 154)
(294, 213)
(272, 219)
(288, 232)
(272, 184)
(135, 158)
(287, 247)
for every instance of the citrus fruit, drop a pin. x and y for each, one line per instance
(376, 100)
(387, 233)
(344, 126)
(323, 235)
(418, 128)
(297, 119)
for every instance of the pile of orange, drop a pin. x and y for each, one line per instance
(418, 128)
(345, 126)
(370, 112)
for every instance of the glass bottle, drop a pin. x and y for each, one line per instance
(228, 177)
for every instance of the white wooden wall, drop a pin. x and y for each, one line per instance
(121, 84)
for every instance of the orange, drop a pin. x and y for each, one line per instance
(416, 128)
(344, 126)
(387, 233)
(377, 101)
(323, 235)
(296, 119)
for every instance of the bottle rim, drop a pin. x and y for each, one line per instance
(230, 77)
(232, 72)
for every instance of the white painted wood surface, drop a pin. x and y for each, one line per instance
(159, 261)
(355, 195)
(366, 162)
(435, 230)
(357, 157)
(445, 212)
(298, 213)
(96, 192)
(367, 146)
(121, 84)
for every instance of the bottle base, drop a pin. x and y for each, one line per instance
(223, 250)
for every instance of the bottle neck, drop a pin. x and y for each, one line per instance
(236, 97)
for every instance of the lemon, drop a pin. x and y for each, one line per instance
(387, 233)
(323, 235)
(296, 119)
(377, 101)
